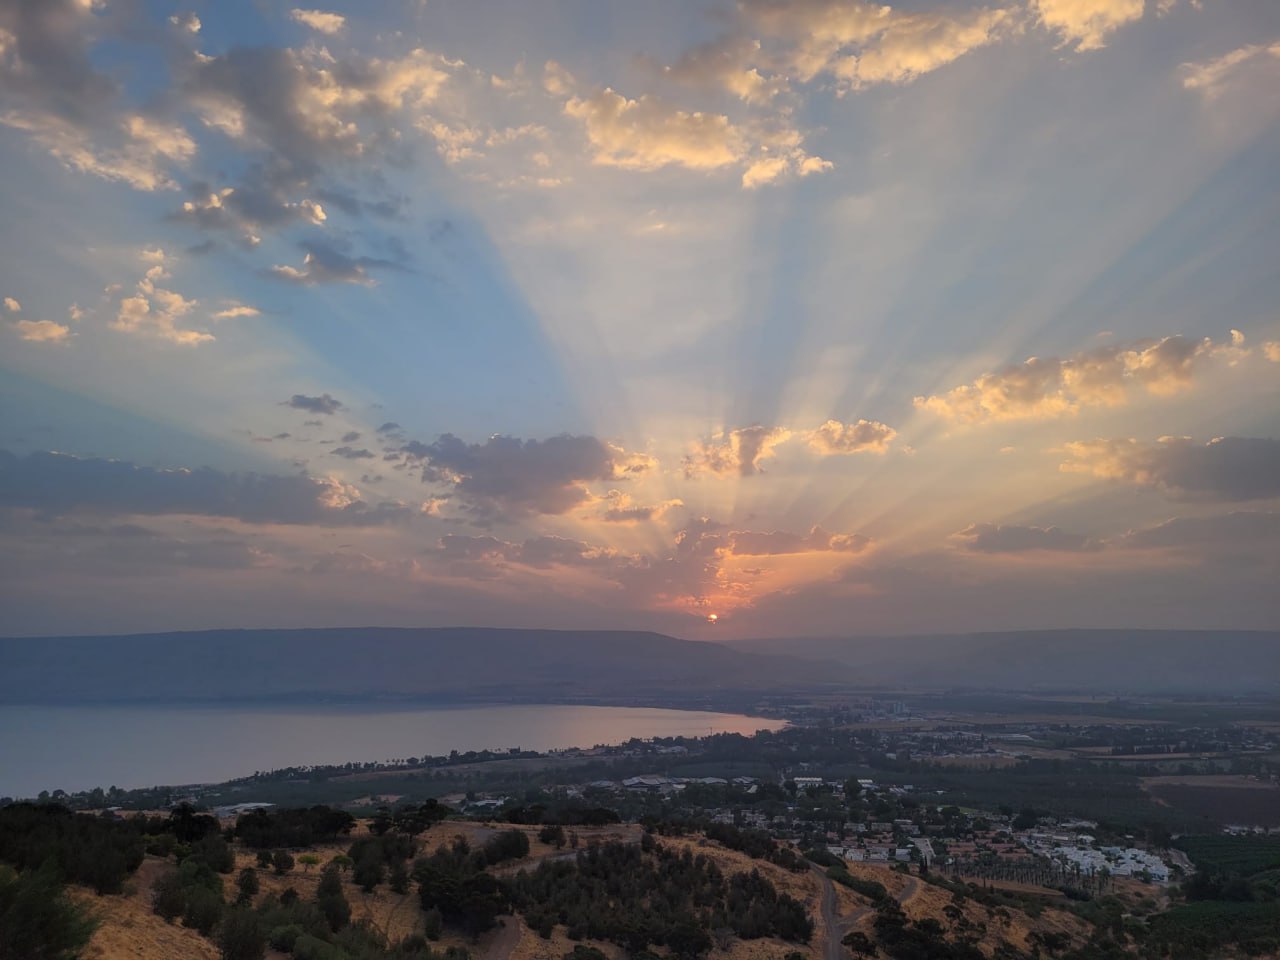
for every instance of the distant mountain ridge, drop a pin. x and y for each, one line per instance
(405, 663)
(1132, 661)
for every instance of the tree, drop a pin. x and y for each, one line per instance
(248, 885)
(308, 860)
(860, 944)
(553, 834)
(282, 860)
(264, 858)
(37, 919)
(241, 935)
(331, 900)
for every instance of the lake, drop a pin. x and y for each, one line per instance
(79, 748)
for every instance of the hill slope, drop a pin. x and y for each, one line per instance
(1138, 661)
(470, 663)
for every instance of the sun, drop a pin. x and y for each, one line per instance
(712, 618)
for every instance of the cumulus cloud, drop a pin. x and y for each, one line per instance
(319, 20)
(738, 451)
(42, 331)
(778, 543)
(50, 89)
(323, 404)
(58, 483)
(12, 305)
(648, 133)
(1087, 23)
(1010, 538)
(1225, 468)
(1211, 78)
(154, 310)
(862, 436)
(539, 476)
(1271, 350)
(1044, 387)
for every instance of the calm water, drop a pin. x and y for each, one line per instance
(79, 748)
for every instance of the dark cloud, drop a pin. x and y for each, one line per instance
(540, 476)
(350, 437)
(349, 453)
(323, 263)
(390, 427)
(322, 404)
(1226, 468)
(1239, 529)
(1010, 538)
(58, 483)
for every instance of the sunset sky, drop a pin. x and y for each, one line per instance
(820, 316)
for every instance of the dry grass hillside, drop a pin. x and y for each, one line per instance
(129, 929)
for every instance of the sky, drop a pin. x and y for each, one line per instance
(775, 318)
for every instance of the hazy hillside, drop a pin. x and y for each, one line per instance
(372, 662)
(1104, 660)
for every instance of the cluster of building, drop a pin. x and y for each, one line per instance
(1081, 851)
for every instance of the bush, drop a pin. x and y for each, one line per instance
(203, 909)
(283, 938)
(282, 861)
(168, 899)
(307, 947)
(37, 919)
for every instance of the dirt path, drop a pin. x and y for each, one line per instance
(835, 926)
(505, 940)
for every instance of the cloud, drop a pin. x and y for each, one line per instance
(12, 305)
(863, 436)
(42, 331)
(1046, 387)
(622, 509)
(1271, 350)
(738, 451)
(777, 543)
(303, 105)
(1087, 23)
(154, 310)
(324, 404)
(540, 476)
(1225, 468)
(324, 264)
(235, 310)
(350, 453)
(1009, 538)
(649, 133)
(1211, 78)
(861, 44)
(50, 89)
(59, 483)
(319, 20)
(470, 555)
(1238, 529)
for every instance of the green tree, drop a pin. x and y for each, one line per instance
(283, 862)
